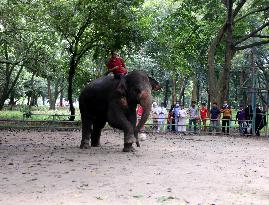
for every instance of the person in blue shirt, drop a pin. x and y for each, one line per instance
(241, 117)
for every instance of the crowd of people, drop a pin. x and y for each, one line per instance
(218, 119)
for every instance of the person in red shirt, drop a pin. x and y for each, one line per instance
(203, 115)
(116, 65)
(139, 113)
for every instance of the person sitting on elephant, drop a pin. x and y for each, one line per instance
(116, 65)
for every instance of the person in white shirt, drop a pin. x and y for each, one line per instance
(182, 113)
(154, 116)
(162, 113)
(194, 115)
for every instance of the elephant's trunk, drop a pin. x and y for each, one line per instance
(145, 101)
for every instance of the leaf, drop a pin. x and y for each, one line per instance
(138, 196)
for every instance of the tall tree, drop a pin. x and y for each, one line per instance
(89, 24)
(235, 21)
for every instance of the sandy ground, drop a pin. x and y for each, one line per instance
(49, 168)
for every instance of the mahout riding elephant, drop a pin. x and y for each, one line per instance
(114, 101)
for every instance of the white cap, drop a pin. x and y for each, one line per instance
(154, 103)
(177, 104)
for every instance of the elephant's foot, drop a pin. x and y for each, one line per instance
(128, 147)
(130, 140)
(95, 144)
(84, 145)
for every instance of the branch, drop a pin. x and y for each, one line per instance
(85, 48)
(252, 12)
(15, 80)
(252, 33)
(9, 62)
(252, 45)
(82, 29)
(260, 36)
(239, 6)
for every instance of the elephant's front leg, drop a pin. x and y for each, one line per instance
(117, 119)
(132, 117)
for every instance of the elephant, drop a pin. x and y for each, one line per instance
(114, 101)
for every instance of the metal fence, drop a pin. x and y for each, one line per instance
(61, 122)
(49, 122)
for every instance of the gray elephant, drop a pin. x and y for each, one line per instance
(114, 101)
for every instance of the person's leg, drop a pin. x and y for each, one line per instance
(190, 124)
(228, 126)
(179, 125)
(211, 126)
(215, 126)
(176, 124)
(195, 125)
(204, 124)
(159, 125)
(184, 125)
(223, 125)
(240, 127)
(163, 125)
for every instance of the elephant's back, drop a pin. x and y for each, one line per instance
(94, 97)
(99, 88)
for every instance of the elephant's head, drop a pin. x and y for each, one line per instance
(137, 88)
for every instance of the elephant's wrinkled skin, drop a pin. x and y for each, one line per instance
(114, 101)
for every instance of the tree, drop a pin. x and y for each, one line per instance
(235, 18)
(86, 25)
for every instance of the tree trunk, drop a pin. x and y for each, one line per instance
(218, 88)
(11, 101)
(194, 89)
(8, 85)
(165, 100)
(61, 96)
(43, 100)
(49, 89)
(242, 91)
(224, 81)
(71, 76)
(181, 91)
(174, 95)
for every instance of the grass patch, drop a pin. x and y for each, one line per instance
(36, 113)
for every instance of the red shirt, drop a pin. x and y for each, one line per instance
(203, 113)
(117, 61)
(139, 110)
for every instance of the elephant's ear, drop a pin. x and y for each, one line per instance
(154, 84)
(122, 87)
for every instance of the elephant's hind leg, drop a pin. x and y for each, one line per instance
(86, 132)
(96, 133)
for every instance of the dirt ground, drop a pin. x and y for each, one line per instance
(49, 168)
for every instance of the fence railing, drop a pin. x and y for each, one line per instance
(160, 125)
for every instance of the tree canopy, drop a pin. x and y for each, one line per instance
(198, 50)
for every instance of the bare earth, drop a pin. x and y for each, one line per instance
(49, 168)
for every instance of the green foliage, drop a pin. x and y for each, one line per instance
(167, 38)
